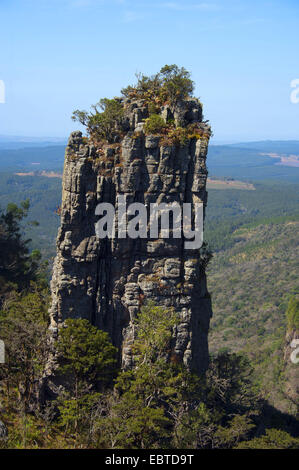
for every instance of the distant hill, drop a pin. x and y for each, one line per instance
(252, 161)
(17, 142)
(279, 146)
(33, 158)
(228, 210)
(44, 194)
(245, 161)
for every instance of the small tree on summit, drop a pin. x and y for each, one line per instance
(176, 83)
(103, 121)
(170, 85)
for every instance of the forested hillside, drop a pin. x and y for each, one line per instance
(252, 276)
(256, 161)
(251, 284)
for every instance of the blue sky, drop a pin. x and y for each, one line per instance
(59, 55)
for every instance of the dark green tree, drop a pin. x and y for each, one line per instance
(104, 121)
(24, 324)
(87, 353)
(17, 266)
(176, 83)
(151, 397)
(88, 360)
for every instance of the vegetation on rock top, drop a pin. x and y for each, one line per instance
(105, 122)
(171, 85)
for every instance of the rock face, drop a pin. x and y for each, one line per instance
(107, 280)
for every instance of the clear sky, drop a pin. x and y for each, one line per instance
(59, 55)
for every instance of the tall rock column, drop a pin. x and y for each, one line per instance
(107, 280)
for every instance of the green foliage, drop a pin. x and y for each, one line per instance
(153, 108)
(154, 124)
(273, 439)
(171, 84)
(231, 374)
(44, 194)
(172, 135)
(87, 352)
(159, 404)
(154, 327)
(229, 210)
(238, 430)
(17, 266)
(103, 122)
(293, 313)
(176, 83)
(258, 273)
(156, 404)
(26, 434)
(145, 87)
(245, 162)
(88, 361)
(141, 416)
(24, 299)
(129, 424)
(175, 136)
(195, 428)
(24, 323)
(182, 135)
(75, 413)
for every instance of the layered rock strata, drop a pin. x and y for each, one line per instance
(107, 280)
